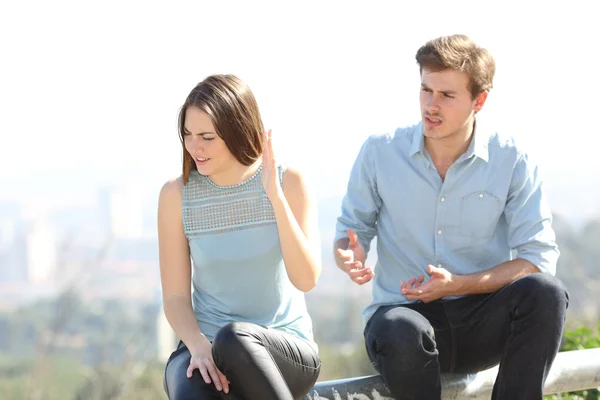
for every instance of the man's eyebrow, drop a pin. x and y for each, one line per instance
(424, 86)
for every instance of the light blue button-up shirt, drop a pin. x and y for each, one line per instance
(491, 202)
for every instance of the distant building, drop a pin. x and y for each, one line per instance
(41, 241)
(13, 246)
(166, 338)
(122, 208)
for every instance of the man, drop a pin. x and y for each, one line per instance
(448, 200)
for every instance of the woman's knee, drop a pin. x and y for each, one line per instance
(177, 385)
(232, 341)
(183, 392)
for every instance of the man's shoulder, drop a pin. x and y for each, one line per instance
(506, 143)
(392, 137)
(510, 149)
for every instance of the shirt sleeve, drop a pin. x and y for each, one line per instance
(361, 204)
(529, 218)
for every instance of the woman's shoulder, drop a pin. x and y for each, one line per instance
(172, 189)
(293, 179)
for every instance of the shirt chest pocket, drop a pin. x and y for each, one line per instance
(479, 214)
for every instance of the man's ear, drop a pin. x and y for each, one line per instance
(480, 101)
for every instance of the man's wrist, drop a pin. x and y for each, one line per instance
(460, 284)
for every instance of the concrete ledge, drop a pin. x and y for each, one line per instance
(572, 370)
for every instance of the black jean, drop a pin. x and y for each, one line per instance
(260, 363)
(518, 327)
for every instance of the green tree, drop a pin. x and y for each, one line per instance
(579, 339)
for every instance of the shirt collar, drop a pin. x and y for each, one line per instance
(479, 143)
(417, 140)
(478, 146)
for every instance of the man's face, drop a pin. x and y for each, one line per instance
(447, 108)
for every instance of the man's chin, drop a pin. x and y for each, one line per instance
(432, 133)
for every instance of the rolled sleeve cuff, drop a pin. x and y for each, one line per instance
(545, 260)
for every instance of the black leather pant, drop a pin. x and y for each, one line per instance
(260, 363)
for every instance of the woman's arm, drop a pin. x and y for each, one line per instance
(176, 275)
(296, 215)
(175, 267)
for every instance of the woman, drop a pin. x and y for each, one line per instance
(249, 226)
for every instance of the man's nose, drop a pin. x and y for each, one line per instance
(432, 105)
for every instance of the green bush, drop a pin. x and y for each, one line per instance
(579, 339)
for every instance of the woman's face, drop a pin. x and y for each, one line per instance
(208, 150)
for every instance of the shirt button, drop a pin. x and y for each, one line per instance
(481, 195)
(443, 199)
(439, 265)
(439, 232)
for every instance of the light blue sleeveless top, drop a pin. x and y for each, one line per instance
(238, 269)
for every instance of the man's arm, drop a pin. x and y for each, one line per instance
(341, 255)
(495, 278)
(355, 227)
(529, 218)
(352, 259)
(442, 283)
(530, 233)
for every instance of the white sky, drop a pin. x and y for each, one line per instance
(98, 84)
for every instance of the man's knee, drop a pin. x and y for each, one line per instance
(544, 291)
(401, 331)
